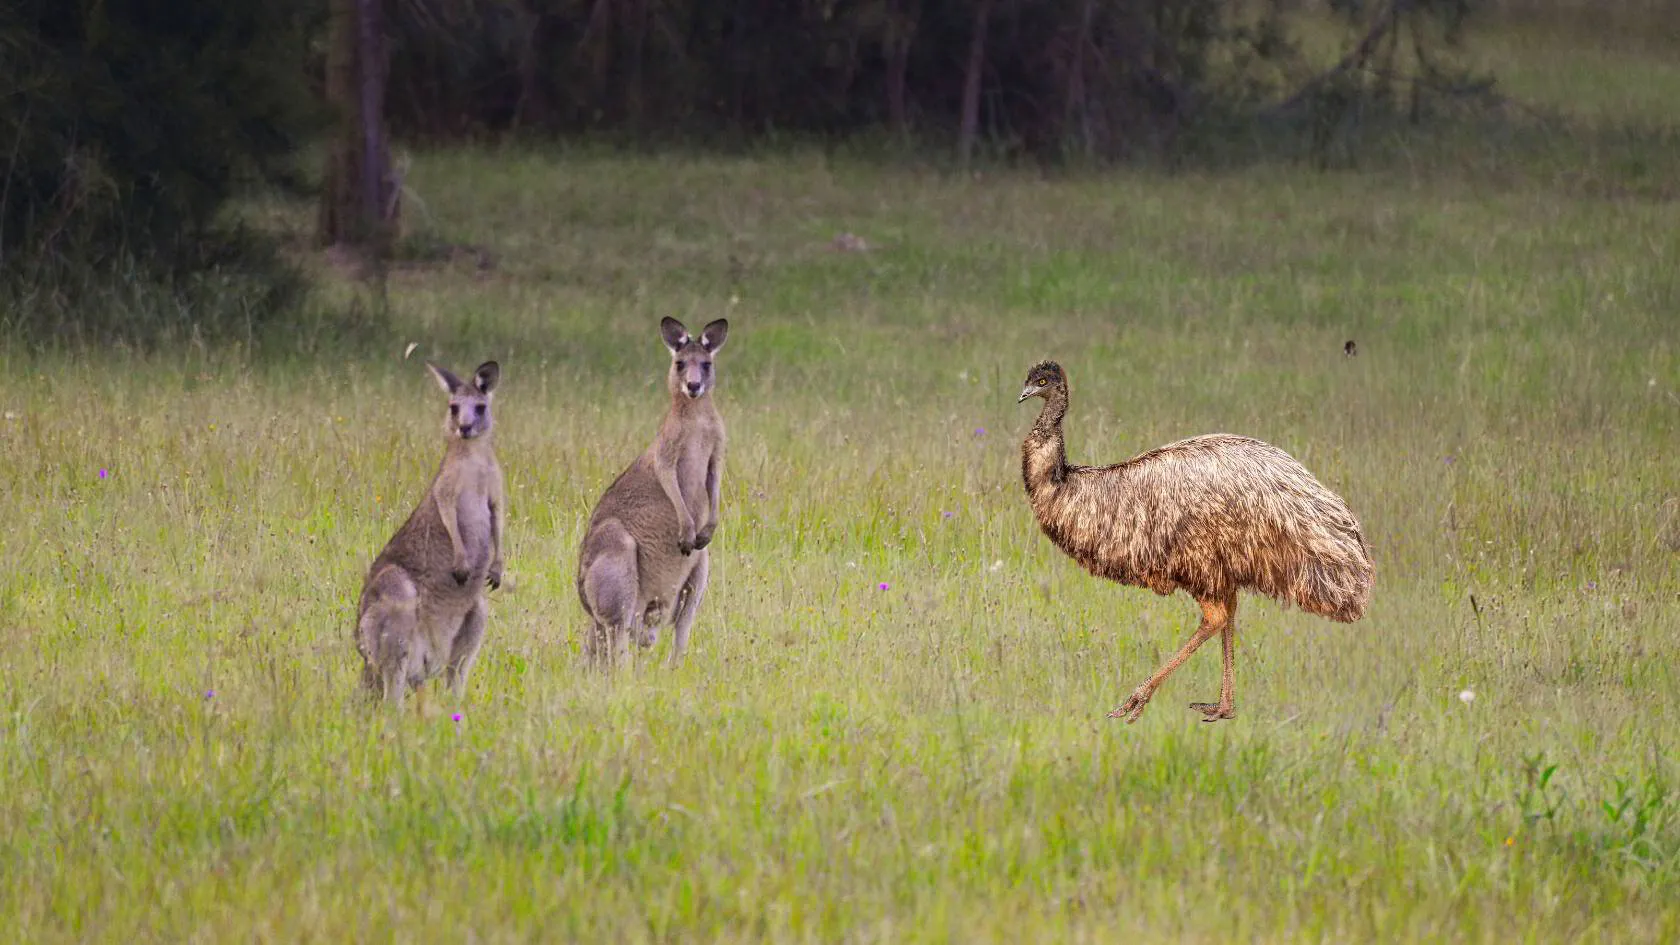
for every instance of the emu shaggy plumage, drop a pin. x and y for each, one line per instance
(1211, 515)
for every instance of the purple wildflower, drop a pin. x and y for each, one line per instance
(103, 472)
(883, 585)
(455, 718)
(947, 514)
(979, 431)
(209, 694)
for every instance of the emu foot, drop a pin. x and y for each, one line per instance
(1213, 712)
(1133, 706)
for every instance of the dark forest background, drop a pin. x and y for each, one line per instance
(126, 127)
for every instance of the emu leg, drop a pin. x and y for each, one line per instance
(1226, 707)
(1214, 615)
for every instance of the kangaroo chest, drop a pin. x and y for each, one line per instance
(692, 467)
(472, 518)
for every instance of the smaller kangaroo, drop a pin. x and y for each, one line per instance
(422, 609)
(644, 556)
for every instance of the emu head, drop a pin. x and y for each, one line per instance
(469, 401)
(1044, 377)
(691, 358)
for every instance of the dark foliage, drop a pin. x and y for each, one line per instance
(1108, 79)
(124, 128)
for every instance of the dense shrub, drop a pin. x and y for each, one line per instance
(126, 128)
(133, 122)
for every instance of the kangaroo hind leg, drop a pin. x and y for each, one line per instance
(387, 633)
(688, 606)
(610, 588)
(468, 640)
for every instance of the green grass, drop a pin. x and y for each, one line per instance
(837, 762)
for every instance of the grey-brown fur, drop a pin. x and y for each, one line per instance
(644, 560)
(1211, 515)
(422, 610)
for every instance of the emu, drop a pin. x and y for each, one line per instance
(1212, 515)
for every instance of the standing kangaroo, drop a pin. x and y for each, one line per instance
(644, 551)
(422, 609)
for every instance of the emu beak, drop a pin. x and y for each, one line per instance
(1026, 392)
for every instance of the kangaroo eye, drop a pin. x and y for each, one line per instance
(681, 365)
(454, 409)
(706, 367)
(478, 409)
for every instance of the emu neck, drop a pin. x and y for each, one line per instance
(1044, 453)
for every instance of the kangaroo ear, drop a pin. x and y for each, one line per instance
(673, 332)
(713, 336)
(486, 376)
(449, 382)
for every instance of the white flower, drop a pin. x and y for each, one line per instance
(1467, 697)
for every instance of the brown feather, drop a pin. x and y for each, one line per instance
(1212, 515)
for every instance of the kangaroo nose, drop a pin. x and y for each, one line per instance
(693, 388)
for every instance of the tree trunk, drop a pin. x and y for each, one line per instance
(532, 106)
(359, 204)
(635, 96)
(971, 84)
(1076, 113)
(900, 34)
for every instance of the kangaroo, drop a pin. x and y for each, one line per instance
(422, 609)
(644, 556)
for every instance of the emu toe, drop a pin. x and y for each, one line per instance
(1213, 712)
(1132, 707)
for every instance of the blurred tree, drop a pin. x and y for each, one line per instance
(1104, 79)
(124, 127)
(360, 200)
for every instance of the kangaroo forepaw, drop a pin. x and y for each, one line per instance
(686, 546)
(494, 578)
(460, 574)
(704, 538)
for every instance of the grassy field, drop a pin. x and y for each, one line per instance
(891, 726)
